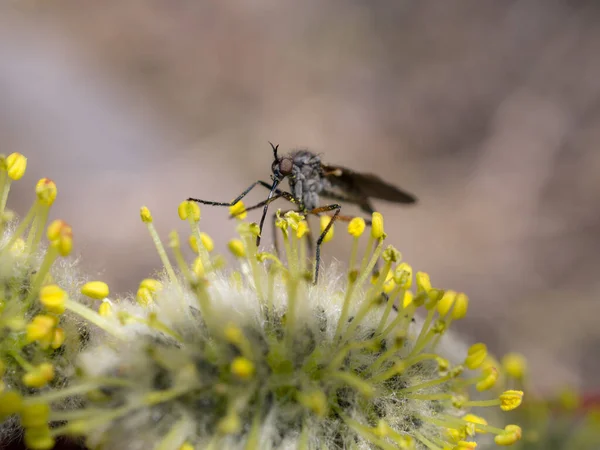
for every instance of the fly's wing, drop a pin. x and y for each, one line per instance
(359, 187)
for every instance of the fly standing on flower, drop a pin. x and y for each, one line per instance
(310, 180)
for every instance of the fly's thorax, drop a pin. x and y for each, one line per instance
(307, 180)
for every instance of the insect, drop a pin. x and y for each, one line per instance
(310, 180)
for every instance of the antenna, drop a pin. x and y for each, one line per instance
(274, 147)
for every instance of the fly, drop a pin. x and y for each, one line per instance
(310, 180)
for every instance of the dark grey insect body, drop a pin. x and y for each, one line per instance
(309, 180)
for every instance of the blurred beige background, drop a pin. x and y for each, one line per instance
(489, 111)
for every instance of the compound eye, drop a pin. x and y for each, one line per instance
(285, 166)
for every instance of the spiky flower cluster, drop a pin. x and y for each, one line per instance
(260, 358)
(562, 421)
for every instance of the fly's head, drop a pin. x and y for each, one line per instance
(282, 166)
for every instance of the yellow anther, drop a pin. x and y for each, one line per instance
(144, 296)
(186, 446)
(390, 254)
(97, 290)
(35, 415)
(230, 424)
(105, 309)
(242, 368)
(446, 303)
(18, 247)
(53, 298)
(10, 403)
(512, 433)
(174, 239)
(41, 327)
(58, 339)
(145, 214)
(16, 165)
(198, 267)
(423, 282)
(325, 220)
(238, 210)
(472, 418)
(403, 275)
(236, 247)
(233, 334)
(456, 434)
(302, 229)
(39, 438)
(60, 235)
(476, 356)
(461, 305)
(46, 191)
(206, 241)
(490, 377)
(377, 226)
(356, 227)
(315, 401)
(408, 299)
(151, 284)
(443, 365)
(465, 445)
(187, 209)
(40, 376)
(515, 365)
(510, 400)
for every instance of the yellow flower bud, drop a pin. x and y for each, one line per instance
(325, 220)
(510, 400)
(238, 210)
(53, 298)
(187, 209)
(97, 290)
(46, 191)
(16, 165)
(377, 226)
(356, 227)
(145, 215)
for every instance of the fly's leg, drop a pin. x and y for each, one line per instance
(316, 212)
